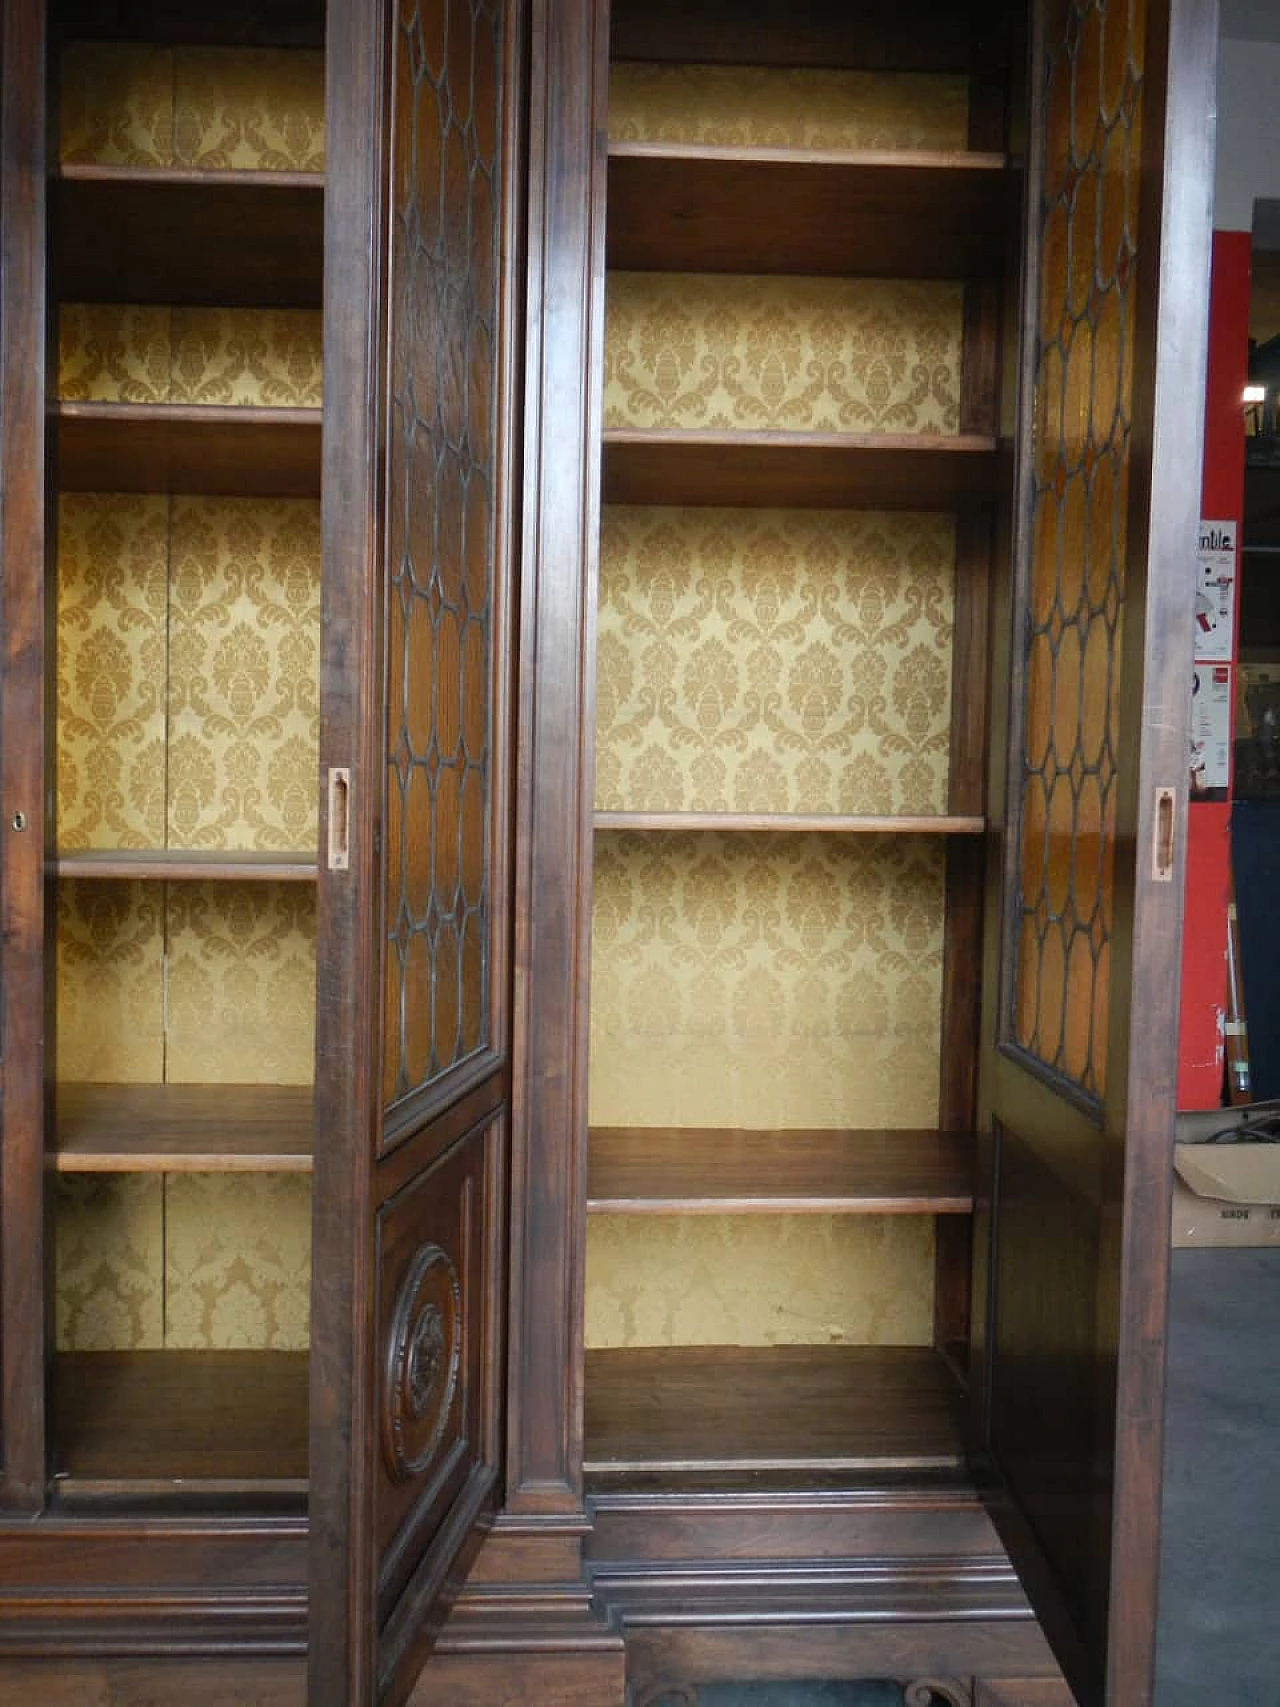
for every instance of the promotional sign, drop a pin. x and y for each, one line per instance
(1211, 732)
(1216, 592)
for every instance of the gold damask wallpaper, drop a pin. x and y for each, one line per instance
(252, 357)
(779, 661)
(688, 350)
(765, 981)
(244, 674)
(188, 672)
(747, 106)
(113, 615)
(186, 1262)
(759, 1280)
(188, 983)
(232, 109)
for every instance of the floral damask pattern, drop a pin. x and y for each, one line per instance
(240, 983)
(244, 674)
(190, 983)
(748, 106)
(113, 565)
(230, 109)
(774, 661)
(110, 982)
(188, 670)
(109, 1262)
(759, 1280)
(257, 357)
(237, 1262)
(200, 1262)
(765, 981)
(804, 355)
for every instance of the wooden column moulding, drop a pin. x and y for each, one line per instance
(562, 426)
(26, 927)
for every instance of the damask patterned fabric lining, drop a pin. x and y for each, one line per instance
(749, 106)
(188, 717)
(694, 350)
(244, 109)
(774, 661)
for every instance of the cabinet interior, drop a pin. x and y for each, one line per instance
(799, 418)
(185, 595)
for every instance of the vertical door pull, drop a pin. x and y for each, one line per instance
(339, 818)
(1162, 851)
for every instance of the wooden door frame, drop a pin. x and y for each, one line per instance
(26, 698)
(1134, 1177)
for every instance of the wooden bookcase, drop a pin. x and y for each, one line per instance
(591, 729)
(799, 472)
(184, 592)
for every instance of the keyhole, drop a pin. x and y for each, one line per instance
(19, 820)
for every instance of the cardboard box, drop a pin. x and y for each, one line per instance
(1226, 1194)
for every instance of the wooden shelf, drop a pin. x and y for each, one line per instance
(877, 471)
(677, 207)
(170, 447)
(183, 1129)
(792, 823)
(196, 238)
(198, 1418)
(705, 1411)
(674, 1171)
(186, 865)
(874, 35)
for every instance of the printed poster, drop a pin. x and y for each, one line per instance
(1211, 732)
(1216, 592)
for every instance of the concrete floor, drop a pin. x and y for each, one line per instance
(1219, 1637)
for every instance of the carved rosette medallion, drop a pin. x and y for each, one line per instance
(934, 1691)
(424, 1353)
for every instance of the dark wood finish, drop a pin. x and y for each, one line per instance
(231, 23)
(792, 823)
(199, 1417)
(225, 451)
(1022, 1692)
(677, 208)
(930, 35)
(206, 239)
(25, 802)
(800, 470)
(422, 251)
(699, 1411)
(659, 1170)
(195, 1683)
(1074, 1336)
(971, 688)
(183, 1129)
(563, 396)
(180, 865)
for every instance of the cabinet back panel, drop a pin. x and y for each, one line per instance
(242, 109)
(742, 106)
(118, 353)
(774, 661)
(195, 1262)
(765, 981)
(689, 350)
(746, 1280)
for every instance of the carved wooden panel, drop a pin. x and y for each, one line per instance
(1088, 226)
(434, 1274)
(444, 300)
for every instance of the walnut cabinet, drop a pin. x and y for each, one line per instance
(595, 615)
